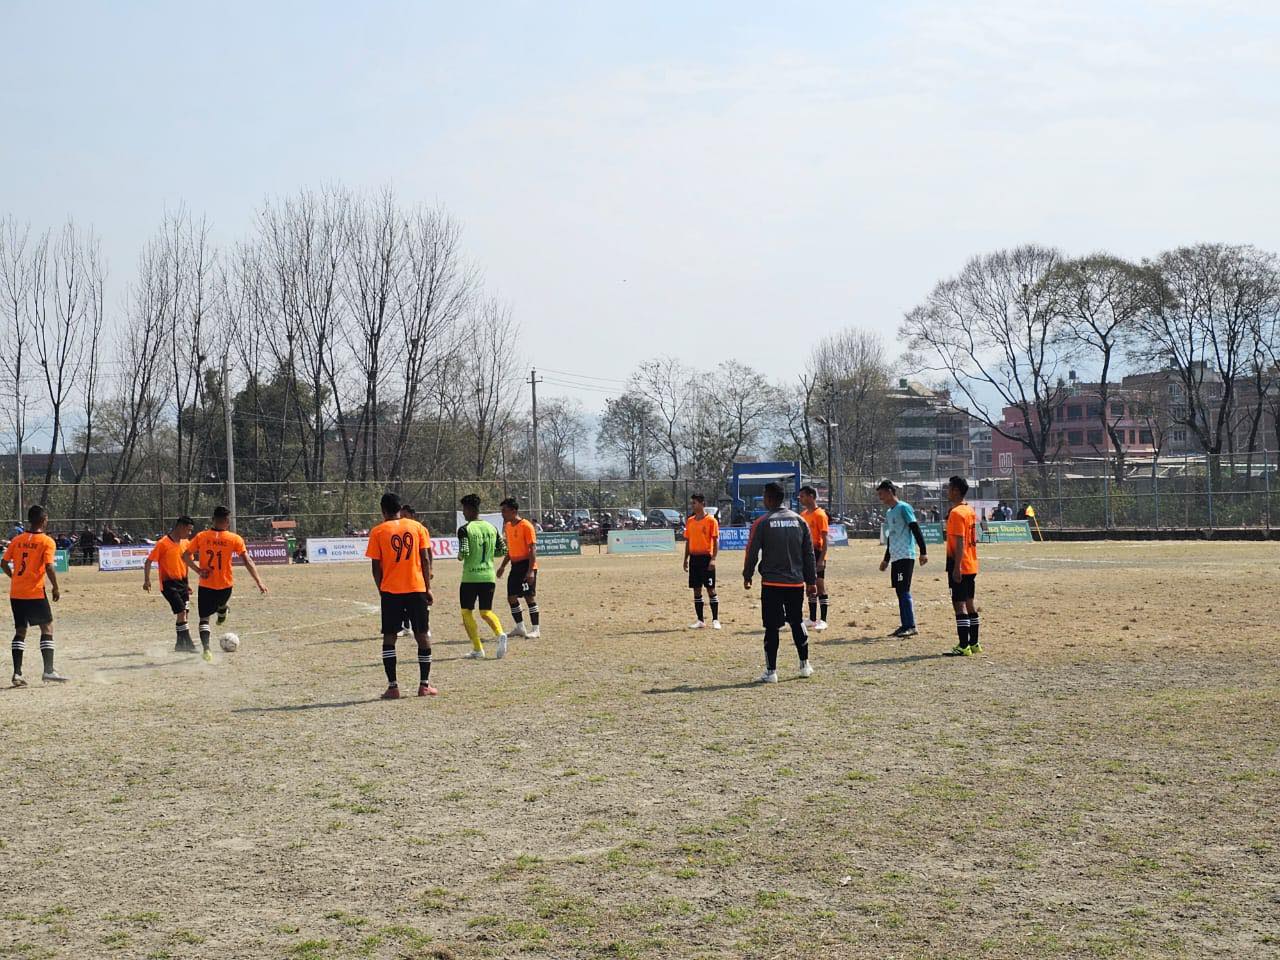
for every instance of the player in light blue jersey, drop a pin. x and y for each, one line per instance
(902, 536)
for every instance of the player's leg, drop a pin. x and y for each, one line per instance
(491, 619)
(19, 645)
(530, 590)
(960, 605)
(972, 607)
(903, 572)
(515, 581)
(823, 602)
(50, 674)
(207, 602)
(794, 608)
(467, 596)
(419, 615)
(771, 615)
(715, 601)
(699, 608)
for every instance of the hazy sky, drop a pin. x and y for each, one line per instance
(708, 179)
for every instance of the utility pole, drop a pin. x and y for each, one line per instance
(533, 382)
(231, 456)
(644, 476)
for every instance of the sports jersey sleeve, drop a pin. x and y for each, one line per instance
(10, 552)
(154, 555)
(374, 550)
(955, 527)
(908, 514)
(464, 543)
(239, 546)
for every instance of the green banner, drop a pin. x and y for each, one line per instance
(932, 533)
(61, 561)
(559, 545)
(1005, 531)
(642, 541)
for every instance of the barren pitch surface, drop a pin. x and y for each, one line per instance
(1102, 782)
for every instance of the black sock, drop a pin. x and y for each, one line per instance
(184, 635)
(813, 609)
(973, 629)
(46, 651)
(962, 628)
(823, 601)
(533, 614)
(698, 608)
(715, 607)
(424, 664)
(516, 615)
(389, 659)
(19, 647)
(771, 648)
(204, 634)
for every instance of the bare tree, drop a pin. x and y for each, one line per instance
(89, 380)
(1101, 299)
(669, 387)
(561, 428)
(1200, 321)
(847, 382)
(15, 336)
(735, 407)
(487, 369)
(625, 429)
(996, 333)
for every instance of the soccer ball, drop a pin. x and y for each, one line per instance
(230, 643)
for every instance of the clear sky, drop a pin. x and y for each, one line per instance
(720, 179)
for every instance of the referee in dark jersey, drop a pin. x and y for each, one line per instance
(780, 544)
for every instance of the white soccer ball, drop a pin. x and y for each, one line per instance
(230, 643)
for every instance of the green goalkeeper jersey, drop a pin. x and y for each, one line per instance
(478, 544)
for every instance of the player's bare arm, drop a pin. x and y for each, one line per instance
(253, 572)
(533, 559)
(8, 570)
(146, 575)
(53, 582)
(377, 573)
(957, 551)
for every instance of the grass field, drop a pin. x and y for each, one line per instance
(1103, 782)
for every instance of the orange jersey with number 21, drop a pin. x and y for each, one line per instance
(213, 550)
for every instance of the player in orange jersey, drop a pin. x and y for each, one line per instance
(209, 553)
(400, 555)
(167, 556)
(522, 553)
(819, 524)
(962, 567)
(407, 512)
(701, 546)
(27, 561)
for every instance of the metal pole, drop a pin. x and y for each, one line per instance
(537, 471)
(1106, 496)
(1155, 489)
(231, 456)
(644, 477)
(1266, 487)
(831, 485)
(839, 476)
(1208, 483)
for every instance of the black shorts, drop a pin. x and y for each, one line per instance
(210, 601)
(516, 587)
(964, 590)
(31, 613)
(470, 593)
(820, 563)
(900, 573)
(401, 608)
(178, 593)
(701, 573)
(780, 606)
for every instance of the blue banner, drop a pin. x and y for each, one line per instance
(734, 538)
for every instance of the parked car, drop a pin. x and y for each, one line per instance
(632, 518)
(670, 519)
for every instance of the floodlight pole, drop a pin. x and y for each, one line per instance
(537, 467)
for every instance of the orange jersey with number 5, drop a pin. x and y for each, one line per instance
(213, 550)
(29, 554)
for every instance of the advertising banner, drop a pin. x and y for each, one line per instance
(444, 548)
(494, 518)
(336, 549)
(62, 561)
(1005, 531)
(123, 558)
(734, 538)
(642, 541)
(932, 533)
(559, 545)
(265, 551)
(837, 535)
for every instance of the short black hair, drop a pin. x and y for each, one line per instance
(471, 500)
(390, 503)
(37, 514)
(773, 491)
(405, 508)
(887, 485)
(221, 513)
(698, 496)
(809, 489)
(959, 483)
(511, 502)
(184, 520)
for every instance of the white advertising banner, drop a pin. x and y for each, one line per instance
(123, 558)
(444, 548)
(336, 549)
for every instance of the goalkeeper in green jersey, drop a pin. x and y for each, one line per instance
(478, 544)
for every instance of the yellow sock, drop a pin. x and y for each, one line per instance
(491, 618)
(473, 631)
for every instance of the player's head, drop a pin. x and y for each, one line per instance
(407, 512)
(37, 516)
(957, 489)
(773, 494)
(698, 503)
(470, 506)
(221, 518)
(183, 526)
(510, 508)
(887, 493)
(808, 496)
(390, 505)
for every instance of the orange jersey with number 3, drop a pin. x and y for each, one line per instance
(702, 535)
(521, 537)
(396, 545)
(29, 554)
(213, 550)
